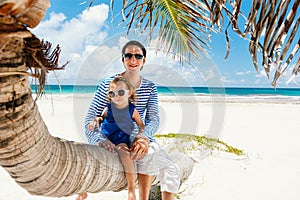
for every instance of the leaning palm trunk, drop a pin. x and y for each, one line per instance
(40, 163)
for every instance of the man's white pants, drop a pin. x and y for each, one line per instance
(157, 162)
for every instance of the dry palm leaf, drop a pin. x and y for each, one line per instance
(41, 59)
(272, 26)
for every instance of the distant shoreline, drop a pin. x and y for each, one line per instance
(203, 98)
(186, 91)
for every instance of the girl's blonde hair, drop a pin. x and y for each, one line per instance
(131, 89)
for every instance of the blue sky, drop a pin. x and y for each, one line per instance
(92, 42)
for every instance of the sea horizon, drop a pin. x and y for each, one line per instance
(181, 90)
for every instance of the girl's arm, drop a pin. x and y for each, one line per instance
(99, 102)
(97, 121)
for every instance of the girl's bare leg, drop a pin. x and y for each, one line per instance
(81, 196)
(128, 164)
(144, 183)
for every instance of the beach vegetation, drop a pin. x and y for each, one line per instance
(190, 142)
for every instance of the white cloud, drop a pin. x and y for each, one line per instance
(260, 74)
(261, 77)
(77, 37)
(242, 73)
(257, 81)
(105, 61)
(226, 80)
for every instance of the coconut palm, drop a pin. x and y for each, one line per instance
(40, 163)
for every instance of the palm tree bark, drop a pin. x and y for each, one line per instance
(42, 164)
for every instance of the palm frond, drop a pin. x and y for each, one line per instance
(296, 70)
(288, 61)
(41, 59)
(183, 25)
(272, 26)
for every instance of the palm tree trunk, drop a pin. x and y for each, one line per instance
(40, 163)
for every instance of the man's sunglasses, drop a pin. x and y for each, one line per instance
(112, 94)
(137, 56)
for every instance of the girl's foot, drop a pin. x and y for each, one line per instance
(81, 196)
(131, 195)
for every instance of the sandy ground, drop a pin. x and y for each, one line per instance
(267, 131)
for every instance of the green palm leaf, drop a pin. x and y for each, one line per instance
(178, 22)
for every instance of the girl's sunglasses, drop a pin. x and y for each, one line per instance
(137, 56)
(112, 94)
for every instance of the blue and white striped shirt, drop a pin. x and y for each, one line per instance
(146, 104)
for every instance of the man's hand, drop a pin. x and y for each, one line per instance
(139, 147)
(108, 145)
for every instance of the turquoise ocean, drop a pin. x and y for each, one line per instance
(172, 91)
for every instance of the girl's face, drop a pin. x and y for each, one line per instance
(133, 58)
(119, 93)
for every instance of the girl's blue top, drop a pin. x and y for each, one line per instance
(118, 124)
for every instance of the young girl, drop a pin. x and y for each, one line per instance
(117, 125)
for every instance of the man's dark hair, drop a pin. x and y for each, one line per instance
(136, 43)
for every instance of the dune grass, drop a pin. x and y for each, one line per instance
(214, 144)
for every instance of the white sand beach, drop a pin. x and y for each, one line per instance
(267, 130)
